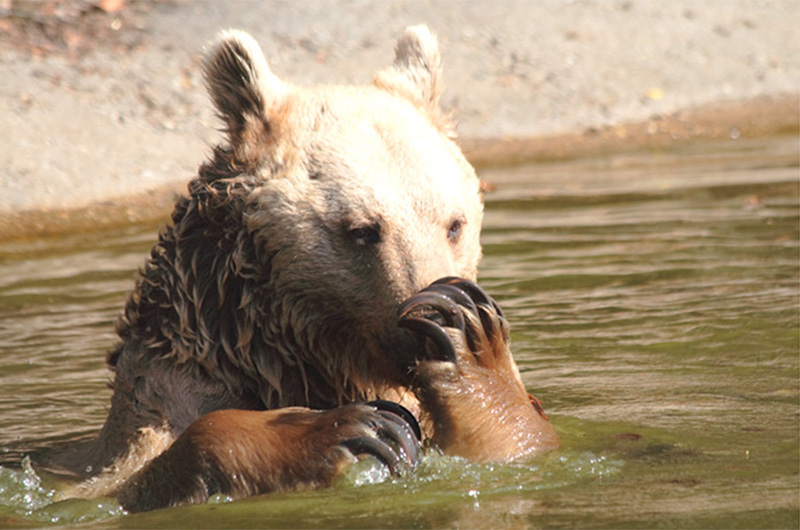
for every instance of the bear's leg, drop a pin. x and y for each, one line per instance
(468, 384)
(241, 453)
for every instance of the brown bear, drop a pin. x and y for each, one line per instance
(324, 258)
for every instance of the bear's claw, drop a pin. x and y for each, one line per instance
(377, 448)
(477, 405)
(471, 289)
(398, 410)
(433, 331)
(439, 302)
(397, 444)
(443, 303)
(459, 296)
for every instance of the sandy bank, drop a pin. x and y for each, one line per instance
(109, 135)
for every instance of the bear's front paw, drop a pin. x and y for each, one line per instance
(466, 325)
(244, 452)
(466, 379)
(392, 435)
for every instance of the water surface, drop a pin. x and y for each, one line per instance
(654, 307)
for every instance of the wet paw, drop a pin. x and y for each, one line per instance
(245, 452)
(465, 377)
(394, 437)
(468, 311)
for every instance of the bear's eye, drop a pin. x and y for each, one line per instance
(366, 235)
(454, 232)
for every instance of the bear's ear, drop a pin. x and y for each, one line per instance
(243, 90)
(416, 73)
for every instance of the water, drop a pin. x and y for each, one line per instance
(654, 307)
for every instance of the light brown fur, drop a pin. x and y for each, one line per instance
(478, 406)
(277, 286)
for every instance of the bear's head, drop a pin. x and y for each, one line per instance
(350, 199)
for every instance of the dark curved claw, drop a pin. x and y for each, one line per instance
(398, 410)
(433, 331)
(486, 322)
(455, 294)
(473, 290)
(439, 302)
(398, 437)
(402, 435)
(377, 448)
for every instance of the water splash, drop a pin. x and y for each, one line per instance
(589, 465)
(24, 495)
(21, 489)
(366, 472)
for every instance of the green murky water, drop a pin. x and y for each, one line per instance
(654, 304)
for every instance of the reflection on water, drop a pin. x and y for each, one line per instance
(654, 308)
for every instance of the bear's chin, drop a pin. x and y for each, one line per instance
(400, 352)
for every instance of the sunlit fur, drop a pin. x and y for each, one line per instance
(258, 297)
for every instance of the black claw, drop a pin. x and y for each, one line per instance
(398, 410)
(476, 300)
(486, 322)
(433, 331)
(442, 304)
(472, 289)
(400, 434)
(473, 336)
(454, 293)
(377, 448)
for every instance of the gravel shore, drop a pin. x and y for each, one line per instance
(107, 132)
